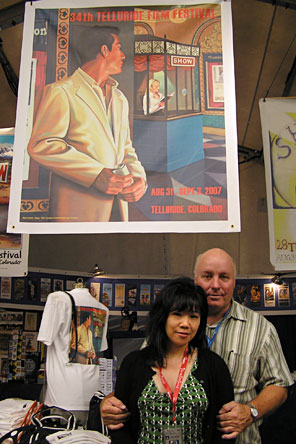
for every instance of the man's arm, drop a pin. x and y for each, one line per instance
(234, 417)
(49, 143)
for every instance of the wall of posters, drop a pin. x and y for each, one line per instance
(128, 116)
(278, 118)
(260, 294)
(13, 247)
(136, 293)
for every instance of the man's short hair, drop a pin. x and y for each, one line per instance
(91, 40)
(84, 315)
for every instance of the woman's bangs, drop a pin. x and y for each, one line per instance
(185, 303)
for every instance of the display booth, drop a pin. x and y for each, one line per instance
(129, 299)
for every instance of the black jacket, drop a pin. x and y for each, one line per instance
(134, 374)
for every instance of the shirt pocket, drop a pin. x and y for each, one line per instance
(242, 368)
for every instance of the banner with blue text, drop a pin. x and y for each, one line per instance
(278, 118)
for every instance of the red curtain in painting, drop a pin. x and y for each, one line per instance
(156, 63)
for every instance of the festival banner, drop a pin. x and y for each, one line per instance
(126, 118)
(278, 119)
(13, 247)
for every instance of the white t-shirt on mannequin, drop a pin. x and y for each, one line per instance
(70, 385)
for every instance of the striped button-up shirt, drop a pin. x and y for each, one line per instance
(250, 346)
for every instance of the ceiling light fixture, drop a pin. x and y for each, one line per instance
(276, 279)
(97, 271)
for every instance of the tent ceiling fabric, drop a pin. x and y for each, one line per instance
(284, 3)
(174, 253)
(11, 13)
(262, 30)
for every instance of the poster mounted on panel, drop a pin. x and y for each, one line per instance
(126, 118)
(278, 118)
(13, 247)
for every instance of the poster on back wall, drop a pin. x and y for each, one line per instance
(13, 247)
(278, 119)
(126, 118)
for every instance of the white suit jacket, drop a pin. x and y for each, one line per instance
(72, 137)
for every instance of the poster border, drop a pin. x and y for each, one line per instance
(20, 269)
(232, 224)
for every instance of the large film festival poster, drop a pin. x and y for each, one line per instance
(278, 118)
(126, 118)
(13, 247)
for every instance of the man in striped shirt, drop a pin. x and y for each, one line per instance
(250, 346)
(247, 342)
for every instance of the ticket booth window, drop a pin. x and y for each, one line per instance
(169, 68)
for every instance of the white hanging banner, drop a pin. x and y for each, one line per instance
(278, 119)
(13, 247)
(126, 118)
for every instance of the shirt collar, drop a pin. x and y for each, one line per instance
(237, 311)
(110, 81)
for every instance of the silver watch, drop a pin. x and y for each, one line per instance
(254, 411)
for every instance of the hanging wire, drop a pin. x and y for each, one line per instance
(260, 73)
(289, 47)
(257, 155)
(8, 70)
(289, 79)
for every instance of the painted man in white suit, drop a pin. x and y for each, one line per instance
(81, 134)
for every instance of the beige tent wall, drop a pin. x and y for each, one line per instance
(174, 254)
(169, 254)
(12, 41)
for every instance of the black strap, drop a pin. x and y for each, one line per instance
(94, 419)
(74, 319)
(54, 418)
(29, 434)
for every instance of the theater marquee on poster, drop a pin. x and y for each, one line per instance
(126, 119)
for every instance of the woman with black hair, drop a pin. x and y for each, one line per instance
(175, 386)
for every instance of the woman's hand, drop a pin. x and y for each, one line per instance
(113, 412)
